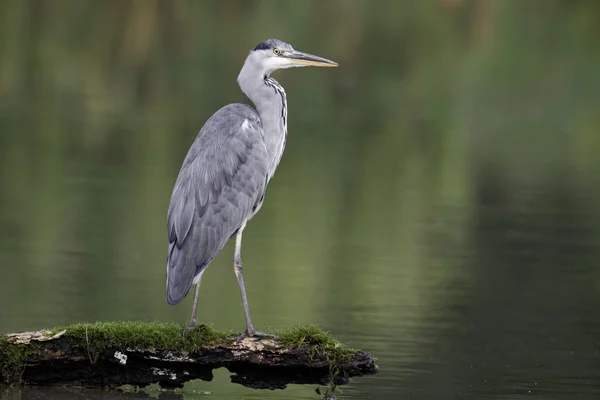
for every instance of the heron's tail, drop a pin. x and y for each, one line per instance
(175, 296)
(180, 274)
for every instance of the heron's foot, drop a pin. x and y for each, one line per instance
(191, 326)
(255, 334)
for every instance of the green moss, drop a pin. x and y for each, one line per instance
(98, 336)
(12, 359)
(320, 341)
(322, 345)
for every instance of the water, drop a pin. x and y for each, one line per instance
(494, 303)
(436, 204)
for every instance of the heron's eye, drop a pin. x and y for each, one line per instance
(276, 51)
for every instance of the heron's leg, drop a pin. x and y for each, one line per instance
(237, 267)
(193, 321)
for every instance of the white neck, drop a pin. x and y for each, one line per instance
(270, 101)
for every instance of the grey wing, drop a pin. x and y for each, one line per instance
(220, 185)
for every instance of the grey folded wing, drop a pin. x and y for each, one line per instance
(220, 185)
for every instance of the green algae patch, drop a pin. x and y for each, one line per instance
(121, 335)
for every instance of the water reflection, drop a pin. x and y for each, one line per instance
(58, 393)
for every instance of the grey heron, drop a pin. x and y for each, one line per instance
(222, 182)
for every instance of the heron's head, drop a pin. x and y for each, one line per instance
(274, 54)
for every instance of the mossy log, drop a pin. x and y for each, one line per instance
(113, 354)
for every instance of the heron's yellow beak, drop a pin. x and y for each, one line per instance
(304, 59)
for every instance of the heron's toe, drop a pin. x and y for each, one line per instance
(255, 334)
(266, 335)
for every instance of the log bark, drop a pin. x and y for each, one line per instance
(55, 358)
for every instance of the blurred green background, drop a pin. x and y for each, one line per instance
(437, 203)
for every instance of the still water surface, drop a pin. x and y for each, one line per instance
(492, 299)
